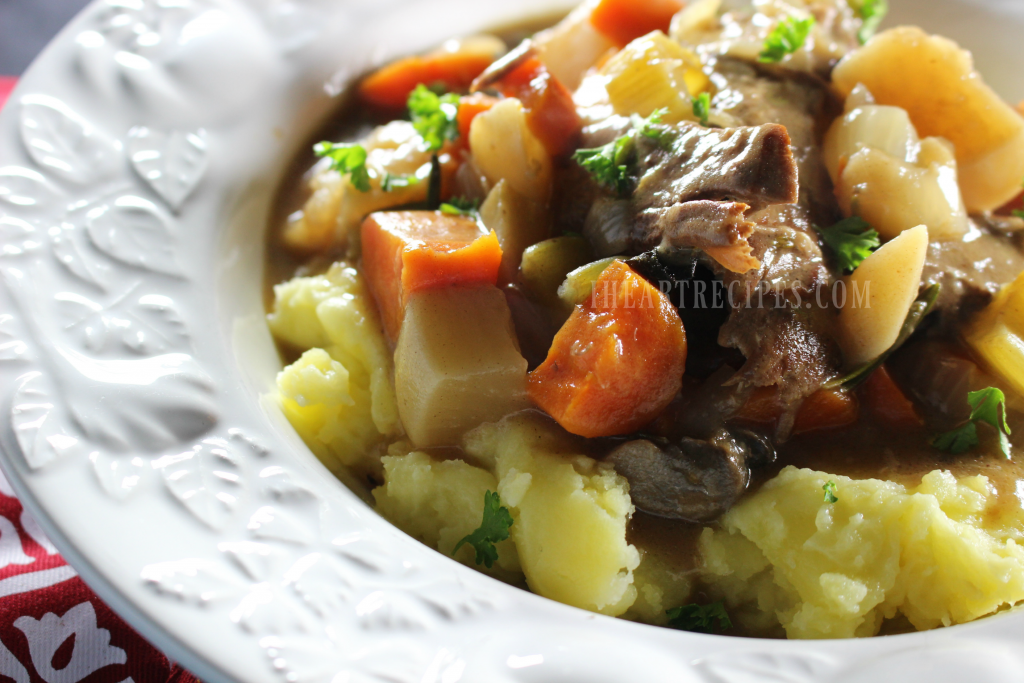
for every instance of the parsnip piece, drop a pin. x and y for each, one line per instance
(457, 364)
(518, 222)
(654, 72)
(880, 293)
(997, 335)
(893, 195)
(935, 81)
(504, 148)
(572, 46)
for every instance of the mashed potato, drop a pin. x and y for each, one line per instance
(338, 395)
(784, 561)
(837, 570)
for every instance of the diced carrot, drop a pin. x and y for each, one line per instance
(887, 402)
(408, 251)
(762, 407)
(550, 110)
(389, 88)
(469, 108)
(825, 409)
(617, 362)
(623, 21)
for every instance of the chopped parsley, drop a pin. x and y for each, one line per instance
(350, 159)
(648, 127)
(460, 206)
(871, 12)
(700, 618)
(610, 165)
(785, 39)
(391, 182)
(435, 117)
(494, 529)
(830, 488)
(988, 406)
(852, 240)
(702, 107)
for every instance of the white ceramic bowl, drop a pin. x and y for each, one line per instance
(138, 162)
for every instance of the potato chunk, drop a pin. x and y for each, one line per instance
(457, 364)
(570, 514)
(881, 292)
(935, 81)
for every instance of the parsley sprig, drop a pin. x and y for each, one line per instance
(612, 165)
(871, 12)
(390, 182)
(831, 489)
(988, 406)
(785, 39)
(700, 618)
(460, 206)
(494, 529)
(347, 159)
(852, 240)
(702, 107)
(435, 117)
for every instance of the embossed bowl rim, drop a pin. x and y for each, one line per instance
(138, 160)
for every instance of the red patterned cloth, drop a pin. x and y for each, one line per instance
(53, 629)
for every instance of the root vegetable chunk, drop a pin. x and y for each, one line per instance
(881, 292)
(408, 251)
(457, 364)
(935, 81)
(617, 362)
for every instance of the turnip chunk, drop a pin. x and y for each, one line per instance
(887, 283)
(504, 148)
(457, 364)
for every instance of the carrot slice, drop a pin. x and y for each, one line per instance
(469, 108)
(617, 362)
(825, 409)
(887, 402)
(623, 21)
(389, 88)
(408, 251)
(550, 110)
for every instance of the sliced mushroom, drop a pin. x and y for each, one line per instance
(692, 480)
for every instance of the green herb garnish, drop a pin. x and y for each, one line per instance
(830, 490)
(435, 117)
(391, 182)
(610, 165)
(988, 406)
(460, 206)
(852, 240)
(350, 159)
(785, 39)
(494, 529)
(700, 618)
(702, 107)
(871, 12)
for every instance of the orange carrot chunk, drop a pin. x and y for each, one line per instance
(623, 21)
(469, 108)
(408, 251)
(617, 362)
(825, 409)
(389, 88)
(887, 402)
(550, 110)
